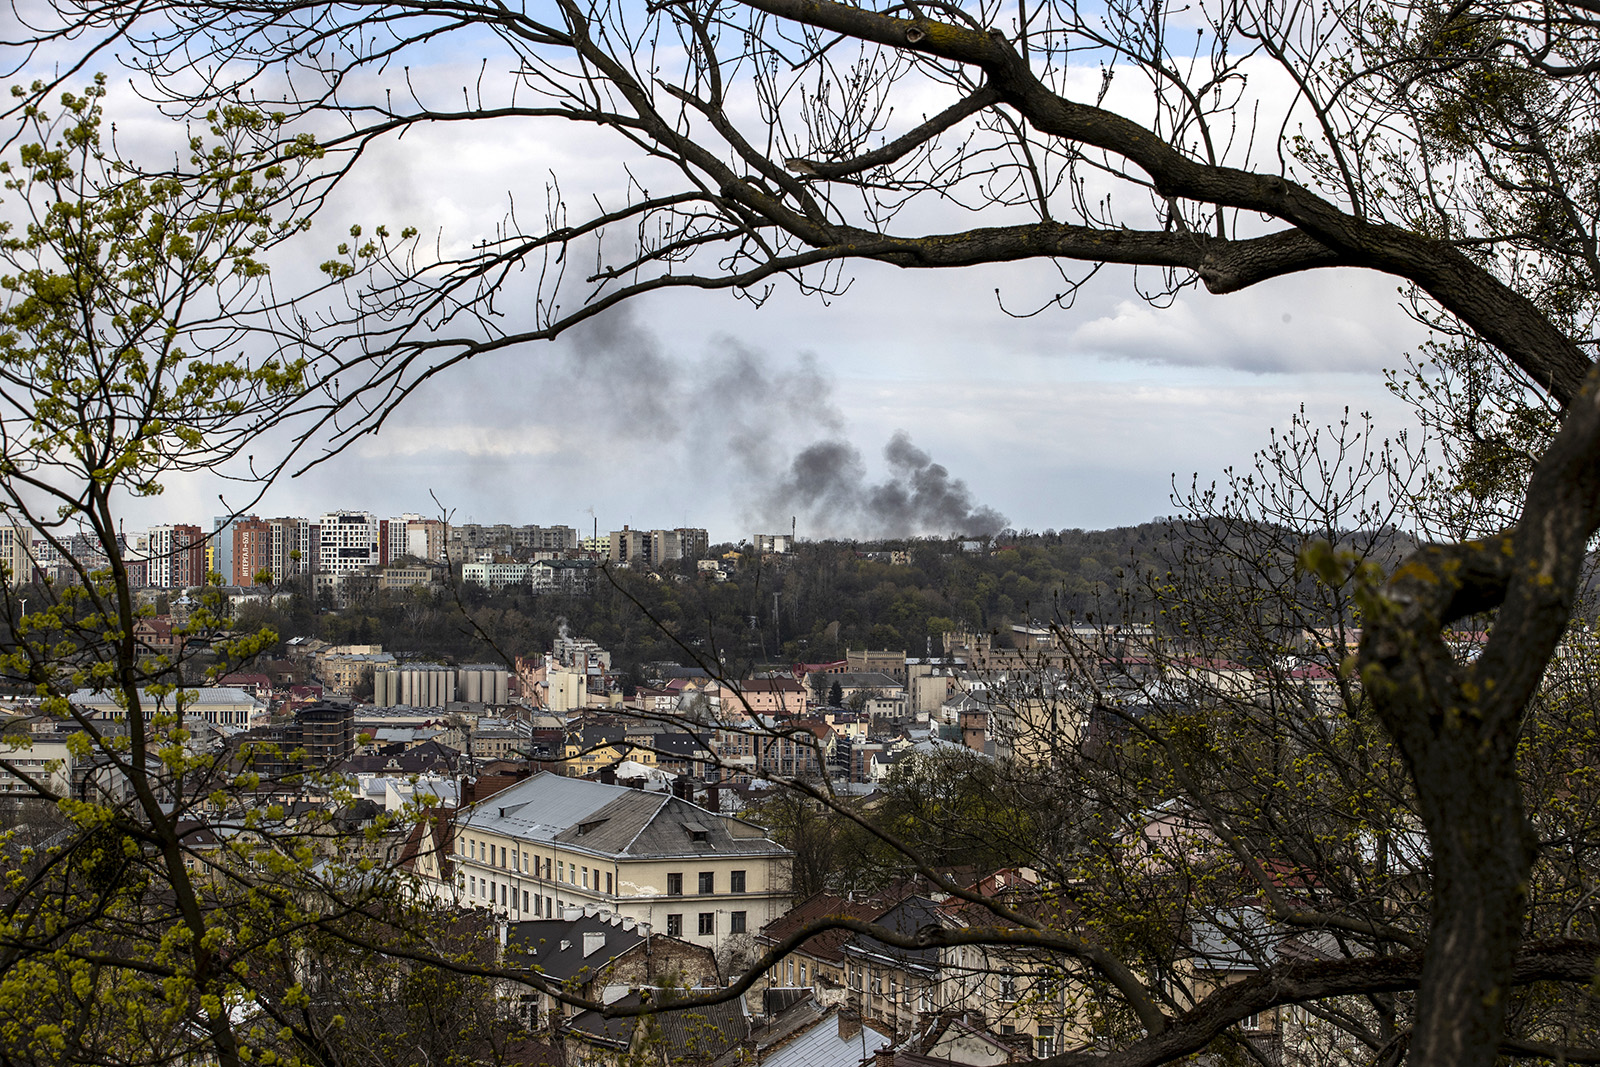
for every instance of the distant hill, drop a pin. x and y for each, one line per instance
(833, 595)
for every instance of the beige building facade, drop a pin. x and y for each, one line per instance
(551, 842)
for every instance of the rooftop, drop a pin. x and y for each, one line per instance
(615, 821)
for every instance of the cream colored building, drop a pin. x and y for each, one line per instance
(551, 842)
(16, 552)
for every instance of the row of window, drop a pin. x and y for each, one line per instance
(737, 923)
(541, 866)
(577, 875)
(707, 883)
(874, 980)
(483, 889)
(776, 976)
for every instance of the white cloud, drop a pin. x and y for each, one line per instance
(462, 439)
(1325, 321)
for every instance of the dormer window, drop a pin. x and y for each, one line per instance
(697, 832)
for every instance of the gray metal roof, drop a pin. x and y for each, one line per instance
(821, 1046)
(610, 820)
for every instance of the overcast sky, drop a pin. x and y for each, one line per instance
(696, 409)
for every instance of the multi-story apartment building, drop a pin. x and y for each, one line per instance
(551, 842)
(327, 732)
(629, 547)
(781, 697)
(681, 543)
(176, 556)
(348, 542)
(569, 577)
(295, 543)
(219, 547)
(652, 548)
(464, 541)
(251, 551)
(411, 575)
(496, 575)
(416, 537)
(772, 543)
(16, 552)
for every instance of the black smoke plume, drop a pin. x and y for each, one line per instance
(733, 415)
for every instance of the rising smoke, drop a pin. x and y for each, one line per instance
(734, 416)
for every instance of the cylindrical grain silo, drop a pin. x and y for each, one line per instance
(472, 686)
(502, 687)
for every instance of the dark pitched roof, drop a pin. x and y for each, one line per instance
(571, 949)
(828, 945)
(906, 917)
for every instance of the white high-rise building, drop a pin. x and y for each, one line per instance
(348, 542)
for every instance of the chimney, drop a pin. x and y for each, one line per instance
(683, 787)
(608, 775)
(593, 941)
(849, 1024)
(884, 1057)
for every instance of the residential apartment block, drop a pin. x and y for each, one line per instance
(176, 556)
(652, 548)
(348, 542)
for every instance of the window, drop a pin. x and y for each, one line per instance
(674, 925)
(736, 922)
(502, 894)
(708, 883)
(502, 855)
(674, 885)
(802, 973)
(877, 985)
(608, 881)
(708, 923)
(586, 878)
(1008, 988)
(524, 900)
(736, 881)
(561, 870)
(1251, 1021)
(472, 889)
(549, 908)
(1045, 1044)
